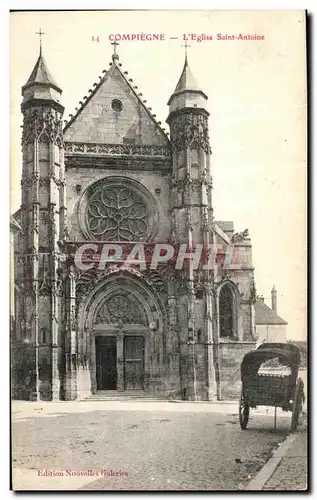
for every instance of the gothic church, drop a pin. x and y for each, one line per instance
(112, 174)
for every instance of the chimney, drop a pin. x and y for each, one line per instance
(274, 299)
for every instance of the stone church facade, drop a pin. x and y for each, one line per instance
(112, 174)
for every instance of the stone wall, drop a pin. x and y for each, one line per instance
(99, 123)
(156, 183)
(271, 333)
(230, 358)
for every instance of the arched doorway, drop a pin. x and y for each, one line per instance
(125, 334)
(120, 328)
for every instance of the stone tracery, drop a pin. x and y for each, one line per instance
(117, 213)
(121, 308)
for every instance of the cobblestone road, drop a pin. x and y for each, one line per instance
(182, 447)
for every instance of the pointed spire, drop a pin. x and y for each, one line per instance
(186, 82)
(41, 74)
(40, 84)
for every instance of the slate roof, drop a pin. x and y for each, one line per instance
(41, 74)
(187, 80)
(186, 83)
(264, 315)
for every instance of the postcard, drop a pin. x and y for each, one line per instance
(158, 250)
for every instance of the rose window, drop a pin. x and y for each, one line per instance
(117, 213)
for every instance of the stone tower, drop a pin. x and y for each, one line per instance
(38, 344)
(192, 216)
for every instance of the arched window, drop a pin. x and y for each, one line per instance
(199, 335)
(226, 312)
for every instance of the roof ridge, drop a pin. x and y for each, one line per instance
(272, 313)
(97, 86)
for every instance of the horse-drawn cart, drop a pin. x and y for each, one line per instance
(271, 389)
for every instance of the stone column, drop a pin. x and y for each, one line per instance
(211, 369)
(120, 362)
(71, 341)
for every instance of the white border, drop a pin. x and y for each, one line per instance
(123, 4)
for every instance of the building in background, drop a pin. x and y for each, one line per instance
(270, 327)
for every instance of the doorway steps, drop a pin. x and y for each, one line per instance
(123, 396)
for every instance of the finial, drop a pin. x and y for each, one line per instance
(40, 33)
(186, 47)
(115, 56)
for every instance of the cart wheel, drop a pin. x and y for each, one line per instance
(244, 410)
(297, 404)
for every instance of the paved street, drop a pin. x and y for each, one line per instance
(147, 446)
(291, 472)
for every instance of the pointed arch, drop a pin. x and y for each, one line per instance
(228, 311)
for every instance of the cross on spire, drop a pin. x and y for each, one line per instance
(115, 55)
(40, 33)
(186, 47)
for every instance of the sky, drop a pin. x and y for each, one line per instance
(256, 99)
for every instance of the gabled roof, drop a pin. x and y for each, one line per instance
(266, 316)
(115, 65)
(40, 74)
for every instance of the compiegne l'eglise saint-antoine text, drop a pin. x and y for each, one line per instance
(191, 37)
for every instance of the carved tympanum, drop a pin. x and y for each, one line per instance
(121, 308)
